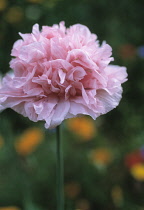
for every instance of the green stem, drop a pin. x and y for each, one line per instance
(60, 177)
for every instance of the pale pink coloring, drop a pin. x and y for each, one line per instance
(60, 73)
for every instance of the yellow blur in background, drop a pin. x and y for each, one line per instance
(3, 4)
(84, 127)
(10, 208)
(101, 156)
(28, 141)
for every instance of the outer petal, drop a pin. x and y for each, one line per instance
(116, 72)
(32, 52)
(60, 113)
(108, 101)
(77, 109)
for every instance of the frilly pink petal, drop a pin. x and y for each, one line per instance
(35, 30)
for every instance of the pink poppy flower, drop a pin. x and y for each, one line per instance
(60, 73)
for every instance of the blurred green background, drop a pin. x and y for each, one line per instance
(104, 159)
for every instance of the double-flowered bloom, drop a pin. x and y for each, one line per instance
(60, 73)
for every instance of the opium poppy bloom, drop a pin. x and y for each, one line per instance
(60, 73)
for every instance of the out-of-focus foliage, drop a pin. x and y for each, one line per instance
(104, 159)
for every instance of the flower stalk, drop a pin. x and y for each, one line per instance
(60, 177)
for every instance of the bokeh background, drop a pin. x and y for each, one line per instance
(104, 159)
